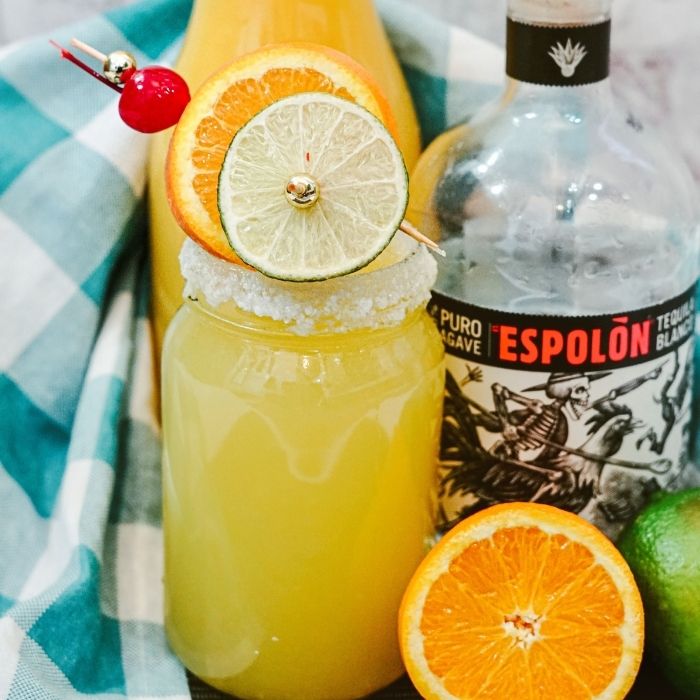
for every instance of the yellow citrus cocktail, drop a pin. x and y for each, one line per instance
(299, 476)
(302, 390)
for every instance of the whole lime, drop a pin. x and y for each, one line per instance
(662, 547)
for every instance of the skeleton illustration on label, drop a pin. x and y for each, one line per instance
(597, 441)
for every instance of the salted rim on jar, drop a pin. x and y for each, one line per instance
(375, 297)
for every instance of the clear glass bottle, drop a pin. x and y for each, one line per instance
(300, 428)
(566, 300)
(221, 30)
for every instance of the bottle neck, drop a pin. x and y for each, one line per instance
(220, 30)
(236, 18)
(558, 43)
(217, 8)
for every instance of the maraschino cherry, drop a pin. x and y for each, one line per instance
(152, 98)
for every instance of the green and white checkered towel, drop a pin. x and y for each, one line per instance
(80, 535)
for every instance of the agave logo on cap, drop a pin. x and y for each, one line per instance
(568, 57)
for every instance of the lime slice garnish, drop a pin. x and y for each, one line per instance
(312, 187)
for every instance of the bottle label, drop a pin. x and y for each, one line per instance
(558, 55)
(590, 413)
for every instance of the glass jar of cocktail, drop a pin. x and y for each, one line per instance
(300, 430)
(302, 398)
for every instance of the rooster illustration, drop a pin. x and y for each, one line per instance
(671, 404)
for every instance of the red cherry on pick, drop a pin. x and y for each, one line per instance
(153, 99)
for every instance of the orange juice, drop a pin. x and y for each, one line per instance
(221, 30)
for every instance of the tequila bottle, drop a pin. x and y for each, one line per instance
(566, 302)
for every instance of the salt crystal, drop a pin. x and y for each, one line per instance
(377, 298)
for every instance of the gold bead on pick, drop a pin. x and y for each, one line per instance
(118, 67)
(302, 191)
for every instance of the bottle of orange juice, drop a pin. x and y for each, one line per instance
(221, 30)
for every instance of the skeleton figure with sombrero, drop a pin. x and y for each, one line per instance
(529, 434)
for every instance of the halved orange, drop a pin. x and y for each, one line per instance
(233, 96)
(522, 601)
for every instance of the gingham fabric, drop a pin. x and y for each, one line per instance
(80, 536)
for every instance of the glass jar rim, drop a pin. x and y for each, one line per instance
(376, 297)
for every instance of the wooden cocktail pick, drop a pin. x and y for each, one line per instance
(410, 230)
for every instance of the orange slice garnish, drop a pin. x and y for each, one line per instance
(522, 601)
(228, 100)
